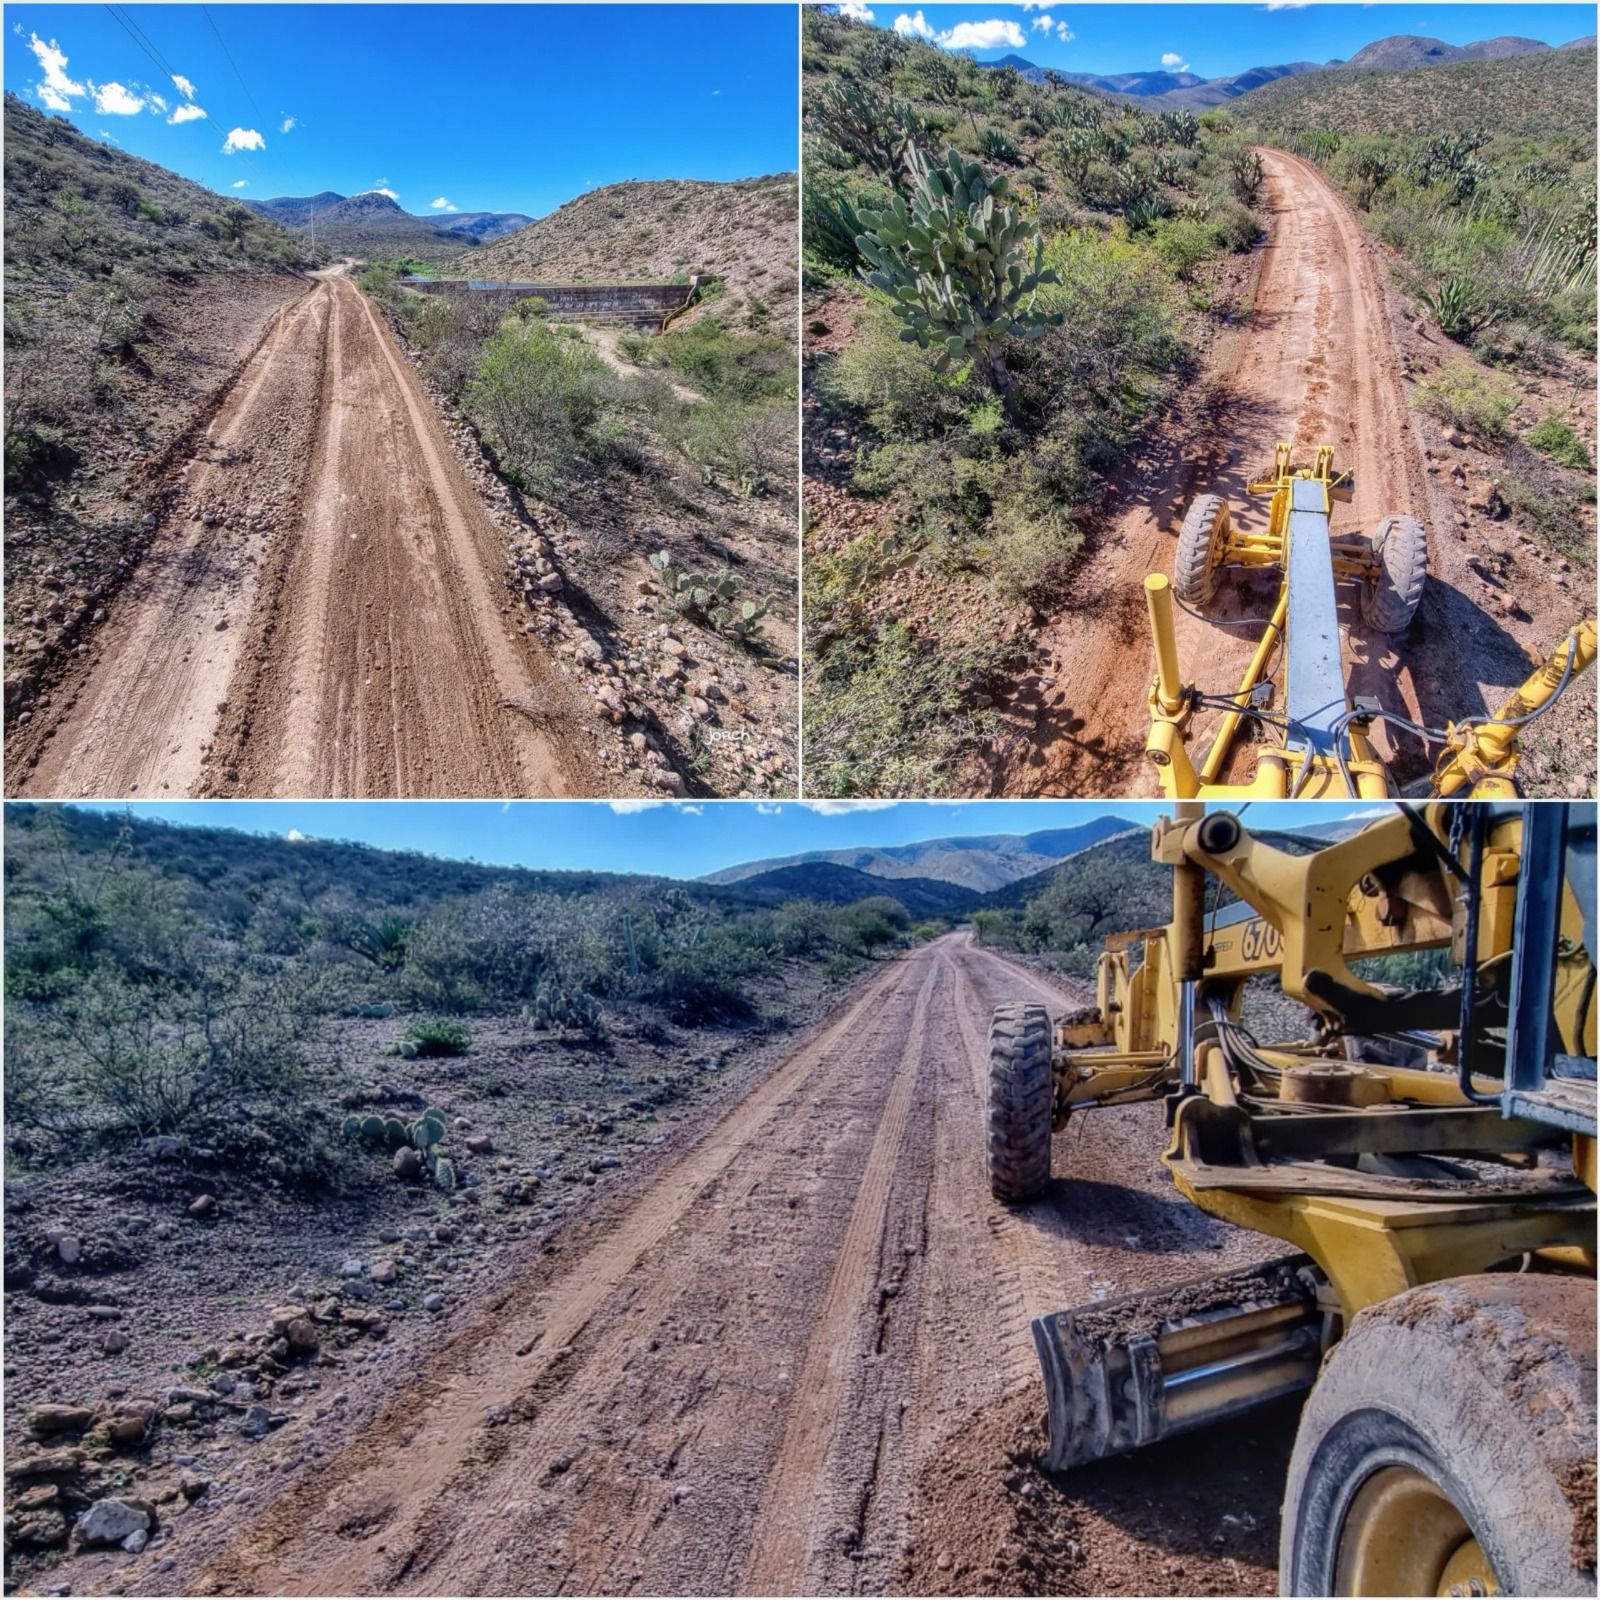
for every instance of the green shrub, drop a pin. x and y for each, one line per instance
(545, 404)
(440, 1036)
(1478, 402)
(890, 383)
(1031, 541)
(1560, 441)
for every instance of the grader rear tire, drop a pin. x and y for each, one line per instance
(1194, 570)
(1020, 1096)
(1391, 601)
(1450, 1440)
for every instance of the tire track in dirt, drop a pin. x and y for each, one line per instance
(744, 1377)
(411, 1489)
(139, 721)
(1314, 362)
(784, 1532)
(332, 618)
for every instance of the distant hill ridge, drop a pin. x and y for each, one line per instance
(981, 862)
(372, 224)
(1187, 91)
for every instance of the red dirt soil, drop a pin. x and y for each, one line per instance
(325, 612)
(793, 1359)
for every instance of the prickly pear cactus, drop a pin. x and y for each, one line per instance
(394, 1130)
(372, 1128)
(426, 1131)
(962, 265)
(351, 1127)
(444, 1175)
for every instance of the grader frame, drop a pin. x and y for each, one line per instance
(1364, 1145)
(1327, 750)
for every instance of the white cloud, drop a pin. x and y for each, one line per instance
(1064, 33)
(240, 183)
(765, 808)
(989, 35)
(626, 808)
(183, 86)
(856, 11)
(288, 125)
(441, 204)
(156, 104)
(242, 139)
(1173, 62)
(188, 114)
(294, 836)
(1286, 5)
(1042, 25)
(116, 100)
(912, 27)
(388, 194)
(57, 88)
(691, 811)
(1037, 5)
(844, 808)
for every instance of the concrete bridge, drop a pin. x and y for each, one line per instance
(653, 303)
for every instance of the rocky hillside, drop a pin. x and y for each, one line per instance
(80, 210)
(665, 231)
(130, 295)
(1526, 95)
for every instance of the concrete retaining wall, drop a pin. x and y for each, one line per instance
(626, 302)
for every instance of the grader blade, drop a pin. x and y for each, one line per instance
(1119, 1374)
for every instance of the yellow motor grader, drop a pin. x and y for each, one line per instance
(1320, 736)
(1426, 1149)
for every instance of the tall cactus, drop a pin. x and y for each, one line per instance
(1248, 175)
(962, 265)
(878, 133)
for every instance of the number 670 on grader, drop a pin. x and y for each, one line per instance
(1428, 1153)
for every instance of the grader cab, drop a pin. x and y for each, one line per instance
(1319, 740)
(1424, 1149)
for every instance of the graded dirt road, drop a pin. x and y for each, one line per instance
(324, 611)
(1314, 362)
(750, 1373)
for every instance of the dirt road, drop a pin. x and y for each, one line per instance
(1315, 361)
(324, 612)
(752, 1373)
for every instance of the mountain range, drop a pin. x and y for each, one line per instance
(1188, 91)
(983, 862)
(371, 222)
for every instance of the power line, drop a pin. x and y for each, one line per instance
(232, 63)
(133, 32)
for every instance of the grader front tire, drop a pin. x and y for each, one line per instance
(1390, 602)
(1020, 1096)
(1448, 1447)
(1194, 570)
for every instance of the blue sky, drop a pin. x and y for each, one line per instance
(1211, 40)
(487, 108)
(669, 839)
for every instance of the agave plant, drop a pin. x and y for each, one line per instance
(1456, 308)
